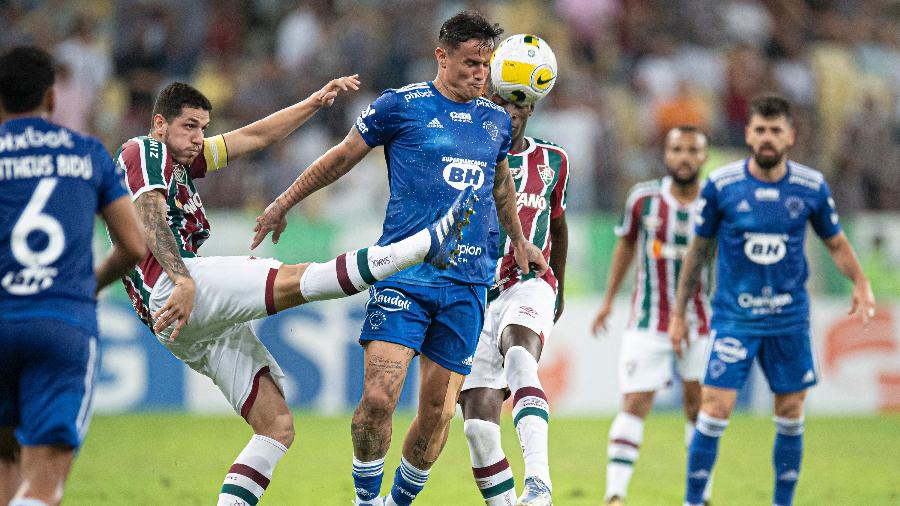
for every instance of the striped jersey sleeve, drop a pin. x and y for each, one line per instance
(215, 157)
(146, 164)
(631, 225)
(561, 190)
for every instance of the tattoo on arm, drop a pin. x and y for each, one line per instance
(697, 257)
(327, 169)
(152, 211)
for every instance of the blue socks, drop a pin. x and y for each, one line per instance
(408, 482)
(702, 455)
(367, 479)
(786, 456)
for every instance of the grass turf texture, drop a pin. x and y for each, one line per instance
(181, 459)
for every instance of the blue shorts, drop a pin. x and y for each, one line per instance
(442, 323)
(47, 381)
(786, 361)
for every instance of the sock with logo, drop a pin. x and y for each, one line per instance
(531, 412)
(355, 271)
(688, 436)
(702, 455)
(367, 478)
(250, 474)
(625, 437)
(493, 476)
(786, 457)
(408, 482)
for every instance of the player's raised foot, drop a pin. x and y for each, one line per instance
(535, 493)
(446, 230)
(615, 501)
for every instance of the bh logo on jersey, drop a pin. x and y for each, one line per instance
(765, 249)
(460, 173)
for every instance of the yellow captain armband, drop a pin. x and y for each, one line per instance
(215, 152)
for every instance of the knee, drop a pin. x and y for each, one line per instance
(374, 409)
(436, 416)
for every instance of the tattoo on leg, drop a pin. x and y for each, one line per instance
(369, 441)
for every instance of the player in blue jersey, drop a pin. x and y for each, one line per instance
(757, 210)
(53, 182)
(439, 138)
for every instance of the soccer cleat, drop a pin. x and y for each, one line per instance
(378, 501)
(446, 230)
(535, 493)
(615, 501)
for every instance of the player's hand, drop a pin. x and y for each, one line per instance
(560, 305)
(529, 257)
(599, 327)
(271, 220)
(678, 333)
(863, 301)
(325, 97)
(177, 309)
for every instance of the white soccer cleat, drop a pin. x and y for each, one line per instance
(535, 493)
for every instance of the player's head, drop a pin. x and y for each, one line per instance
(685, 153)
(518, 113)
(770, 130)
(464, 54)
(180, 116)
(26, 81)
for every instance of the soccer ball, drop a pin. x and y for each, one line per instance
(523, 69)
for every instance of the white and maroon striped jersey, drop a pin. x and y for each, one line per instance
(662, 228)
(148, 165)
(541, 176)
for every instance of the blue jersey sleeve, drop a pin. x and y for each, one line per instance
(379, 122)
(111, 180)
(507, 139)
(708, 213)
(824, 218)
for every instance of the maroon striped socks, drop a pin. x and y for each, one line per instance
(250, 474)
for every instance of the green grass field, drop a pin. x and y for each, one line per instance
(158, 459)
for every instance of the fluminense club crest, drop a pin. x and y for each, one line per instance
(546, 173)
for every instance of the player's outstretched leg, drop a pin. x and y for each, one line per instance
(355, 271)
(531, 416)
(489, 465)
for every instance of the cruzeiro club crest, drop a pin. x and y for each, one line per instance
(492, 129)
(546, 173)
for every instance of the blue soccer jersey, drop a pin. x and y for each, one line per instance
(53, 182)
(761, 268)
(434, 148)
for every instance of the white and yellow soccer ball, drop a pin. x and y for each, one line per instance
(523, 69)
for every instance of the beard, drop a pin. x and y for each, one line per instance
(767, 162)
(686, 180)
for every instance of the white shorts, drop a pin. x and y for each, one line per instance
(647, 357)
(219, 341)
(530, 303)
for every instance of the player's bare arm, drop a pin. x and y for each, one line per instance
(621, 261)
(699, 253)
(129, 244)
(863, 300)
(152, 209)
(559, 238)
(505, 199)
(275, 127)
(327, 169)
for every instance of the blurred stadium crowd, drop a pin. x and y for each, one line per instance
(629, 70)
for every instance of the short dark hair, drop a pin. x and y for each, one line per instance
(26, 73)
(467, 25)
(771, 106)
(177, 95)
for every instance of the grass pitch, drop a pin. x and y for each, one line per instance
(180, 459)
